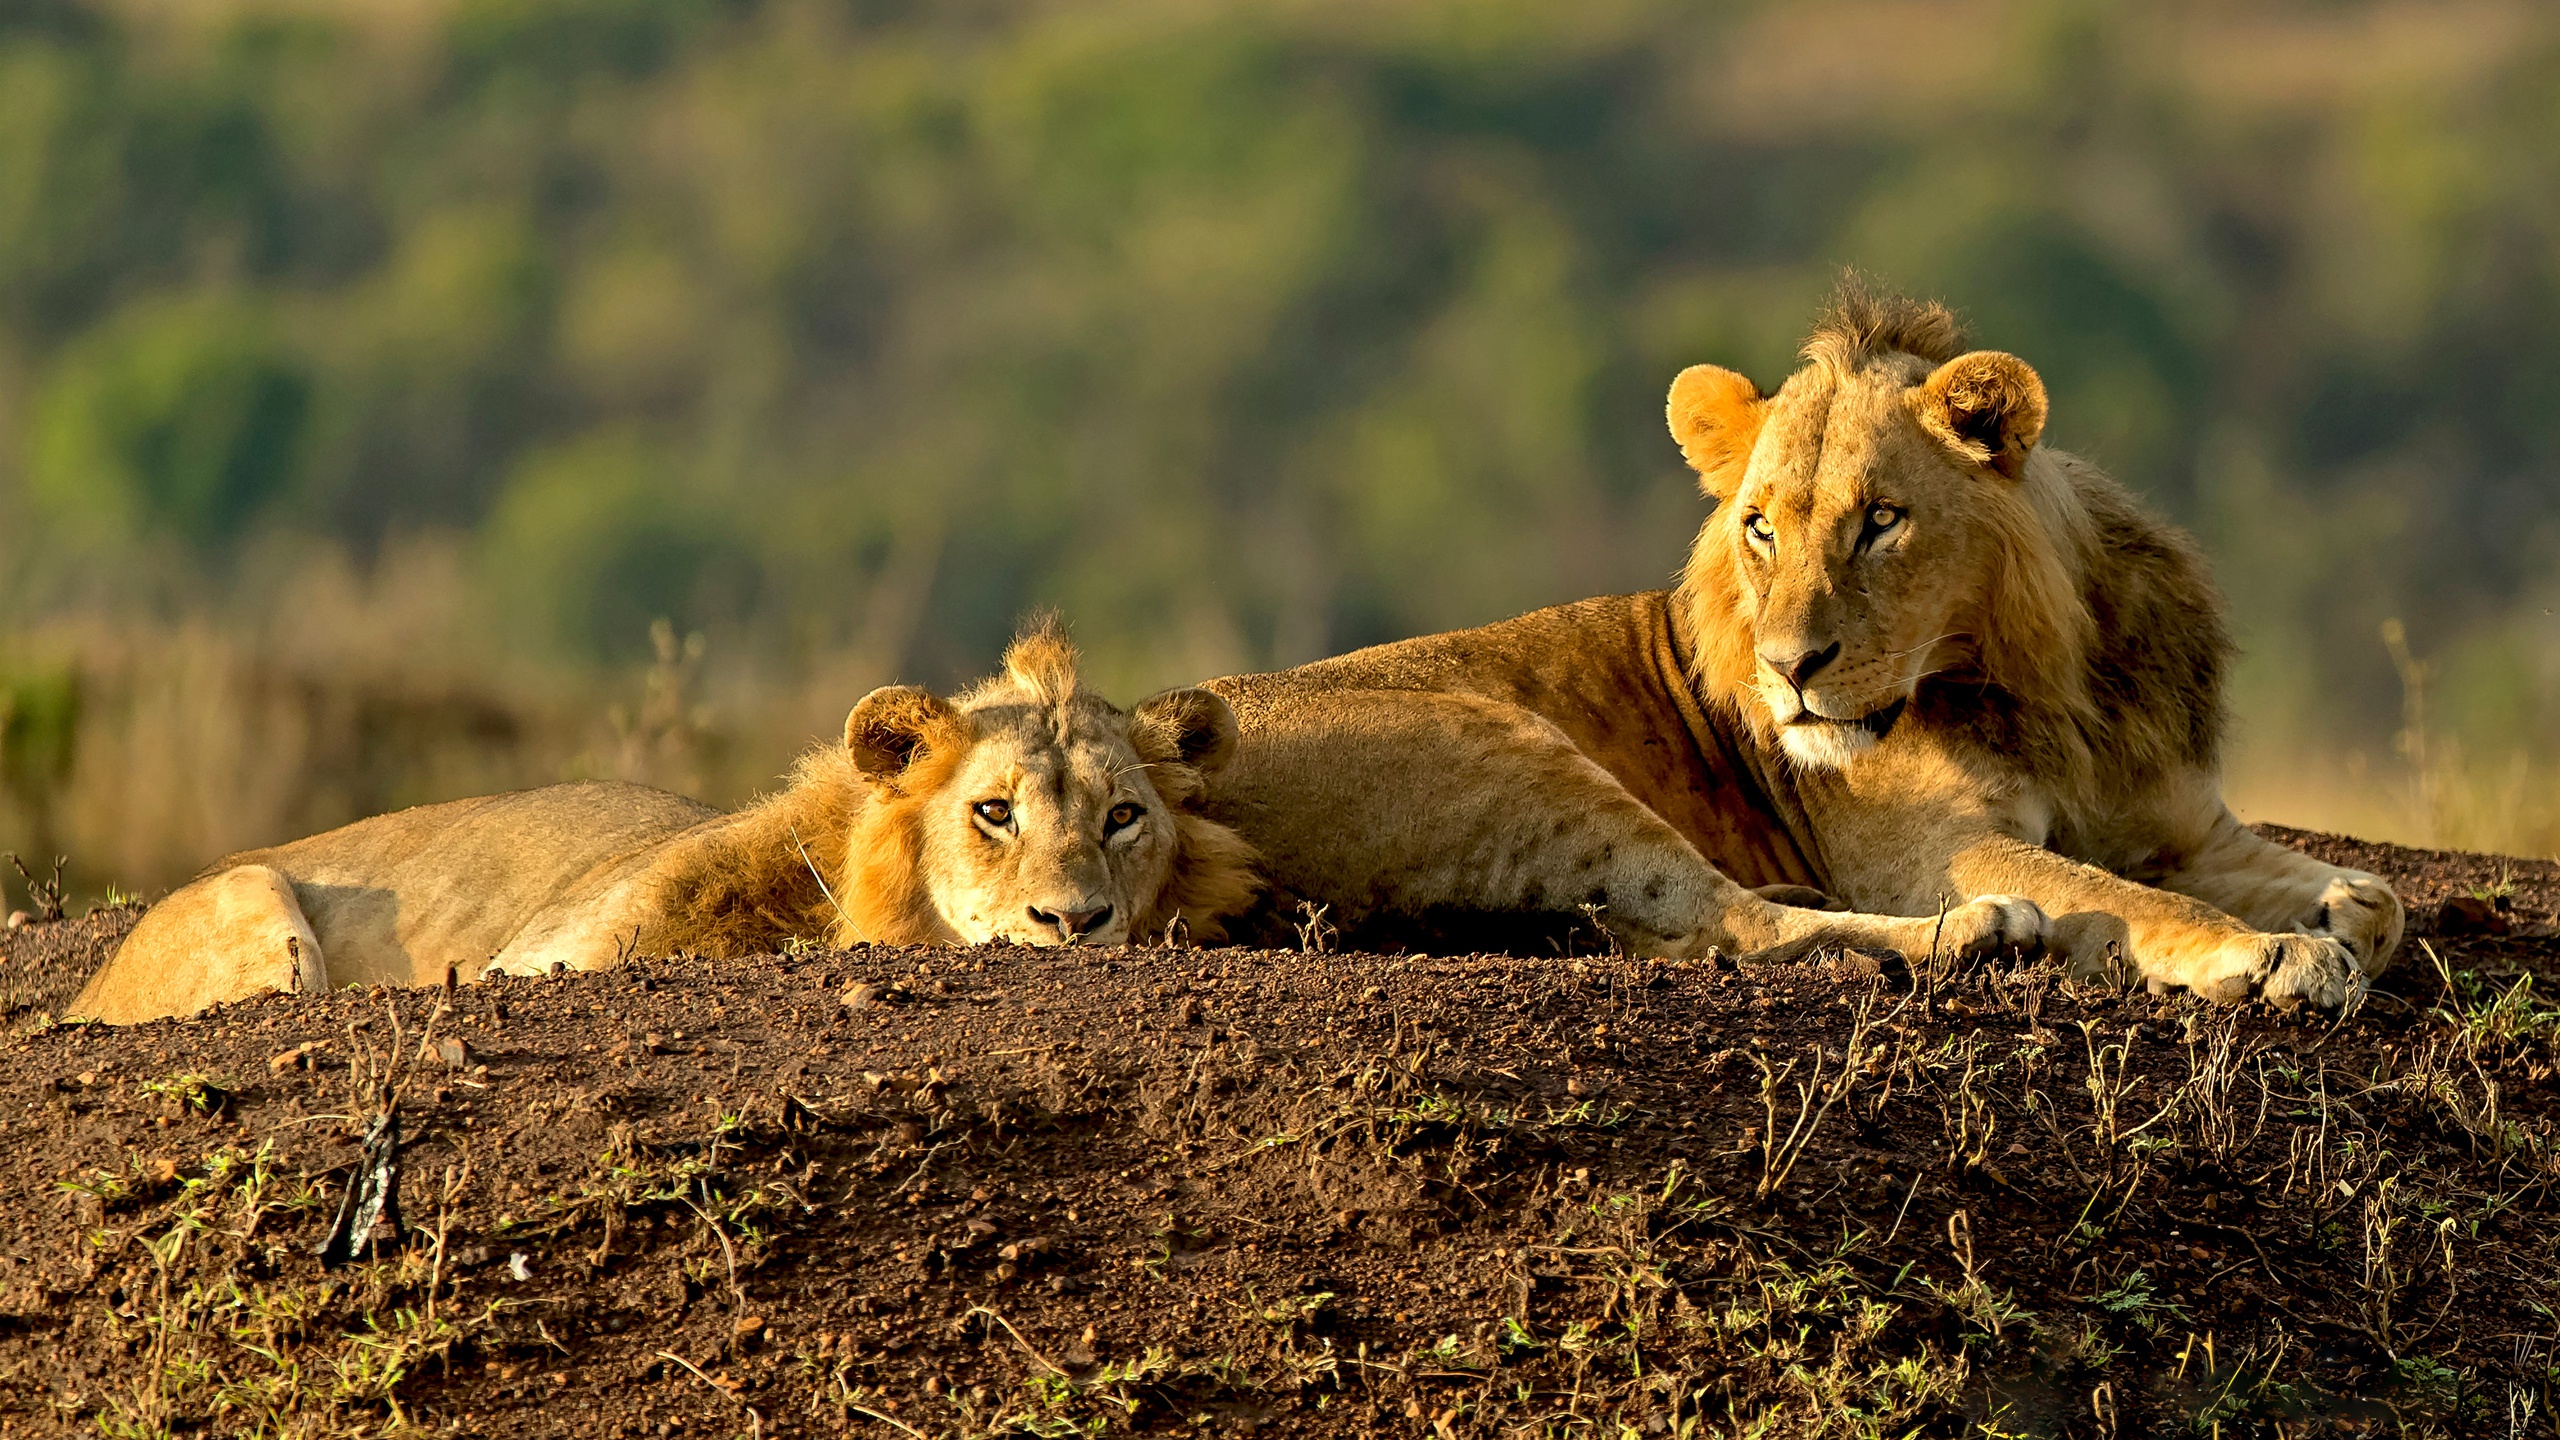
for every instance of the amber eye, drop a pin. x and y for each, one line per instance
(1760, 530)
(1883, 517)
(998, 813)
(1124, 814)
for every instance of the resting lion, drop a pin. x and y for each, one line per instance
(1917, 661)
(1027, 810)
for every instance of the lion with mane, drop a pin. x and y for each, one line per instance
(1918, 661)
(1027, 810)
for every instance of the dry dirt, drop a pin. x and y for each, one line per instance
(1003, 1192)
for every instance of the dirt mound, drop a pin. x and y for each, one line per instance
(999, 1192)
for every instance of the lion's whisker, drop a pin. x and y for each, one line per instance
(1923, 645)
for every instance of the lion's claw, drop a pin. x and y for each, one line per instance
(2285, 971)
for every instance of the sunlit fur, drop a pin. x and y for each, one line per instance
(872, 840)
(914, 866)
(1991, 589)
(2042, 659)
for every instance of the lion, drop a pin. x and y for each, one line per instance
(1917, 661)
(1026, 810)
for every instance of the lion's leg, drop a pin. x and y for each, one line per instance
(2275, 888)
(2101, 919)
(225, 937)
(1413, 802)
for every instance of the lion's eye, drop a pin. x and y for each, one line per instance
(1124, 815)
(998, 813)
(1883, 517)
(1759, 528)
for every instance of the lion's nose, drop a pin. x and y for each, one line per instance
(1072, 924)
(1799, 669)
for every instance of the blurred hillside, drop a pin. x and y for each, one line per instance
(373, 375)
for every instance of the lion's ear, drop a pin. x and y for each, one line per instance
(1189, 726)
(889, 725)
(1987, 407)
(1715, 414)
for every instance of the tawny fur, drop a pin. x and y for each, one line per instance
(781, 868)
(2011, 727)
(870, 841)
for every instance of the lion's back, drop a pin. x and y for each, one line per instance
(463, 878)
(548, 830)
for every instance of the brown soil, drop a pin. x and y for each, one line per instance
(1023, 1193)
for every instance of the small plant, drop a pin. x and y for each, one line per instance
(2133, 1301)
(2499, 894)
(44, 895)
(1814, 1099)
(1315, 934)
(2084, 1347)
(2429, 1377)
(1293, 1311)
(1986, 1313)
(1593, 915)
(192, 1093)
(2483, 1013)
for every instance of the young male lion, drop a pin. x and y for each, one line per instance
(1918, 661)
(1026, 810)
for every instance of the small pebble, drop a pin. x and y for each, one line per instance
(299, 1057)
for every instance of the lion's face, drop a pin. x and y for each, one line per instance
(1852, 524)
(1048, 834)
(1040, 819)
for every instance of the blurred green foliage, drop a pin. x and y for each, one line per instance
(1250, 333)
(39, 739)
(184, 418)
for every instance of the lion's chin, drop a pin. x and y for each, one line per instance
(1816, 742)
(1820, 745)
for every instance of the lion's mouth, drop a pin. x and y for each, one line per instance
(1875, 722)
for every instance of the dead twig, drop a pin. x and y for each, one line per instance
(1051, 1365)
(755, 1419)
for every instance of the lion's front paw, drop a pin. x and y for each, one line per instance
(1990, 925)
(2361, 912)
(2283, 970)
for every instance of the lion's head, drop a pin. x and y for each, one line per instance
(1885, 516)
(1032, 811)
